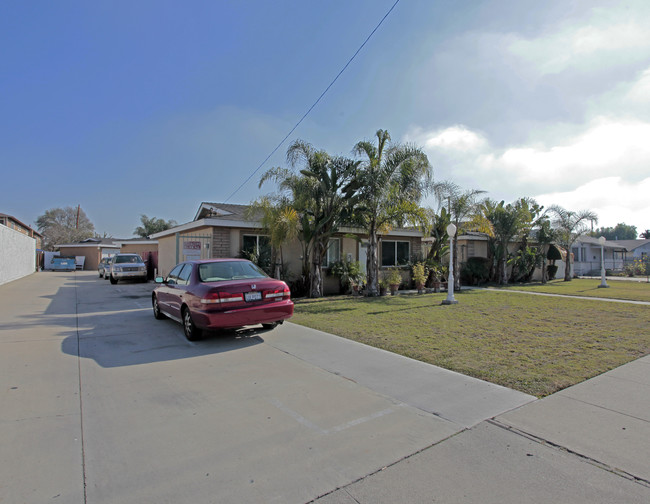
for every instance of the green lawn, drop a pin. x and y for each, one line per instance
(535, 344)
(618, 289)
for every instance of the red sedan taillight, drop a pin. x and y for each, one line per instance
(224, 298)
(277, 294)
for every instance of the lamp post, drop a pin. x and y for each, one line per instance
(451, 231)
(603, 281)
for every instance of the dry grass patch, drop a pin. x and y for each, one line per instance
(534, 344)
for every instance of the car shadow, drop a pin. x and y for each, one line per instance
(165, 342)
(114, 326)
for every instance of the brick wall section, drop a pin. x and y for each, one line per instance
(220, 242)
(416, 248)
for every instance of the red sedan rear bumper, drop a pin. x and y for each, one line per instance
(247, 315)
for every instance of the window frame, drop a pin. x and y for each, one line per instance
(172, 278)
(396, 262)
(181, 279)
(327, 260)
(257, 240)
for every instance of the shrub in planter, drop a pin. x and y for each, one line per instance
(394, 279)
(419, 273)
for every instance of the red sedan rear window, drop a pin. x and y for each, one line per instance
(229, 270)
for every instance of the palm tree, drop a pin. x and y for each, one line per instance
(390, 182)
(545, 237)
(570, 226)
(511, 222)
(332, 199)
(293, 191)
(152, 225)
(435, 225)
(321, 194)
(645, 235)
(463, 207)
(279, 220)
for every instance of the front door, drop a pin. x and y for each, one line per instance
(363, 255)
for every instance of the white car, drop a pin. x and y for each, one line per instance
(127, 266)
(104, 267)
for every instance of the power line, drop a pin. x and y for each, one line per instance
(315, 103)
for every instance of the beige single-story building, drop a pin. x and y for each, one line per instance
(91, 249)
(222, 230)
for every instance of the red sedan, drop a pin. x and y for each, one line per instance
(221, 294)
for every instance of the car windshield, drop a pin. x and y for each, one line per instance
(128, 259)
(229, 270)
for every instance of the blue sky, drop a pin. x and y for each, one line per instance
(152, 107)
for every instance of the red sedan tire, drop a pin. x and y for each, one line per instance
(156, 309)
(192, 333)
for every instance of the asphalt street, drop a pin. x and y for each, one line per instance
(101, 403)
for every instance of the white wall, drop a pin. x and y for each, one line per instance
(17, 255)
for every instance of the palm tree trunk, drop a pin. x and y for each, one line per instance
(372, 264)
(316, 281)
(567, 269)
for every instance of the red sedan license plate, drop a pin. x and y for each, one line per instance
(253, 296)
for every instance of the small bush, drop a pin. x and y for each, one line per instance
(551, 270)
(349, 273)
(638, 267)
(475, 271)
(420, 273)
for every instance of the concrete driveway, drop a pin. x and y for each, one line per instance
(101, 403)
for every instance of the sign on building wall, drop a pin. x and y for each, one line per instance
(192, 250)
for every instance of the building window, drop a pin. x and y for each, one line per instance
(333, 253)
(580, 254)
(257, 248)
(252, 242)
(395, 253)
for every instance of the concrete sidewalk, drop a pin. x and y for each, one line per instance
(589, 443)
(460, 399)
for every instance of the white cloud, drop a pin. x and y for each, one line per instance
(607, 34)
(604, 168)
(456, 138)
(639, 93)
(612, 198)
(607, 147)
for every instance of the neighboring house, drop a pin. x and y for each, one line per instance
(472, 244)
(587, 255)
(635, 249)
(222, 230)
(91, 249)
